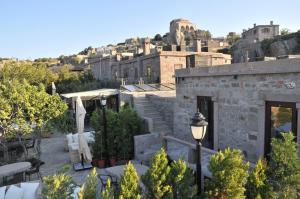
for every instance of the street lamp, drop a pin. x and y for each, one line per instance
(198, 128)
(103, 104)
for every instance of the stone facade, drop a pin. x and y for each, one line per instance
(158, 67)
(261, 32)
(239, 93)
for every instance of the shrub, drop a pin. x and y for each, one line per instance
(58, 186)
(65, 123)
(108, 192)
(229, 175)
(130, 125)
(181, 179)
(89, 189)
(129, 187)
(257, 186)
(155, 179)
(284, 167)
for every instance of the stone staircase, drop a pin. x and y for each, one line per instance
(146, 145)
(148, 111)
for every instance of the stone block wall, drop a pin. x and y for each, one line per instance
(239, 93)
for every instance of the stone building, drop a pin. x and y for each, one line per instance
(246, 104)
(156, 67)
(177, 29)
(261, 32)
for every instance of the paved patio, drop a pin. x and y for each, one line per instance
(55, 158)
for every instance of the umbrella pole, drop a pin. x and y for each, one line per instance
(82, 159)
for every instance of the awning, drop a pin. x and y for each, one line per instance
(93, 94)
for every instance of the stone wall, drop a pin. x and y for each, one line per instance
(239, 93)
(164, 103)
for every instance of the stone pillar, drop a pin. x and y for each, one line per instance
(173, 47)
(197, 45)
(146, 46)
(298, 126)
(216, 119)
(261, 107)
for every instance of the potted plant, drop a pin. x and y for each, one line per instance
(98, 150)
(47, 130)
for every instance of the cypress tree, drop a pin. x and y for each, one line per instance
(155, 179)
(181, 179)
(229, 175)
(257, 186)
(284, 167)
(129, 187)
(108, 192)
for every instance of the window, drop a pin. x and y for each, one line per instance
(254, 32)
(280, 117)
(265, 30)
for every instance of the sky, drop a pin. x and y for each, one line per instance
(49, 28)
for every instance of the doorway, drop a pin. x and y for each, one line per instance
(280, 117)
(206, 106)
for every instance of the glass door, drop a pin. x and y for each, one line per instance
(281, 117)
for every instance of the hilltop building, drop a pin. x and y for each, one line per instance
(260, 32)
(140, 60)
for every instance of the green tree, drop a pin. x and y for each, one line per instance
(285, 31)
(129, 187)
(33, 73)
(113, 131)
(89, 189)
(181, 179)
(257, 185)
(130, 125)
(284, 167)
(155, 179)
(232, 37)
(157, 37)
(229, 175)
(108, 192)
(24, 106)
(58, 186)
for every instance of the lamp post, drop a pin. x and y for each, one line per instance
(103, 103)
(198, 128)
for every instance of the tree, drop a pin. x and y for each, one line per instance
(58, 186)
(257, 185)
(34, 73)
(229, 175)
(181, 179)
(284, 167)
(157, 37)
(24, 106)
(285, 31)
(89, 189)
(129, 187)
(108, 192)
(131, 125)
(232, 37)
(155, 179)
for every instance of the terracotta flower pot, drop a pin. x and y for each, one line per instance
(101, 163)
(112, 161)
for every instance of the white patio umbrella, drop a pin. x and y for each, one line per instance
(84, 150)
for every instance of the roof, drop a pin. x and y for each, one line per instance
(91, 94)
(148, 87)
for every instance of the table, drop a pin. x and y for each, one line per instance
(118, 171)
(11, 169)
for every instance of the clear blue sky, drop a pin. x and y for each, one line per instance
(49, 28)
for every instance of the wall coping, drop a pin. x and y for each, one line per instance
(248, 68)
